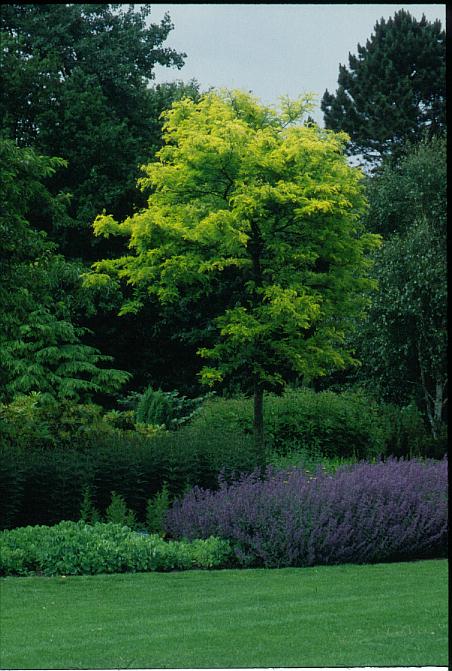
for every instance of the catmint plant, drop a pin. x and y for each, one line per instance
(388, 511)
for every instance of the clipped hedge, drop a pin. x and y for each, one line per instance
(388, 511)
(75, 548)
(45, 486)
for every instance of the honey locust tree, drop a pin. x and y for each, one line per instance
(256, 217)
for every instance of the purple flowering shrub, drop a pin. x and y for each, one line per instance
(364, 513)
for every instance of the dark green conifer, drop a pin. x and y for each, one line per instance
(393, 90)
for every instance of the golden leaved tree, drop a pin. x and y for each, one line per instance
(246, 195)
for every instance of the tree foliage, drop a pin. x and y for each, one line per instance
(404, 341)
(256, 217)
(40, 293)
(414, 189)
(394, 90)
(76, 85)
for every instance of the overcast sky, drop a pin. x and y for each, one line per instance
(272, 50)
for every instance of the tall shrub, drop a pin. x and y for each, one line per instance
(329, 424)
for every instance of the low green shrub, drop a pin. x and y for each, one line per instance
(37, 421)
(75, 548)
(118, 512)
(167, 409)
(88, 512)
(24, 422)
(156, 509)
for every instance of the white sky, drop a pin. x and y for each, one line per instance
(272, 49)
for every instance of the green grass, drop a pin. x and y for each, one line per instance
(378, 615)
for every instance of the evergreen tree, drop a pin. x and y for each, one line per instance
(394, 90)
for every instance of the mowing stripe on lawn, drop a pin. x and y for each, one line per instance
(378, 615)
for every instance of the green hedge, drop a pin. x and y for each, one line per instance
(76, 548)
(326, 425)
(45, 486)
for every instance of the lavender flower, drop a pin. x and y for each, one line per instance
(388, 511)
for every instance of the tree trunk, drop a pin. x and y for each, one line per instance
(258, 423)
(255, 246)
(433, 404)
(438, 403)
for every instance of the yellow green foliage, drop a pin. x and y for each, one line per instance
(246, 195)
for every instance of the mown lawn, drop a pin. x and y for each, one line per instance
(380, 615)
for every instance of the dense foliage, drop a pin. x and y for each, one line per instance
(47, 461)
(391, 511)
(41, 298)
(167, 409)
(403, 343)
(325, 425)
(252, 244)
(75, 85)
(394, 90)
(45, 486)
(76, 548)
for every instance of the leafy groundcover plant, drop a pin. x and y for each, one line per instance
(76, 548)
(364, 513)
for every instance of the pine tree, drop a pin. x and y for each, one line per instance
(393, 90)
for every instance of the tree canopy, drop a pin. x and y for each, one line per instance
(75, 84)
(403, 343)
(258, 218)
(394, 89)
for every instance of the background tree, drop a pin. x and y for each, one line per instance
(256, 218)
(394, 90)
(403, 343)
(40, 294)
(76, 85)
